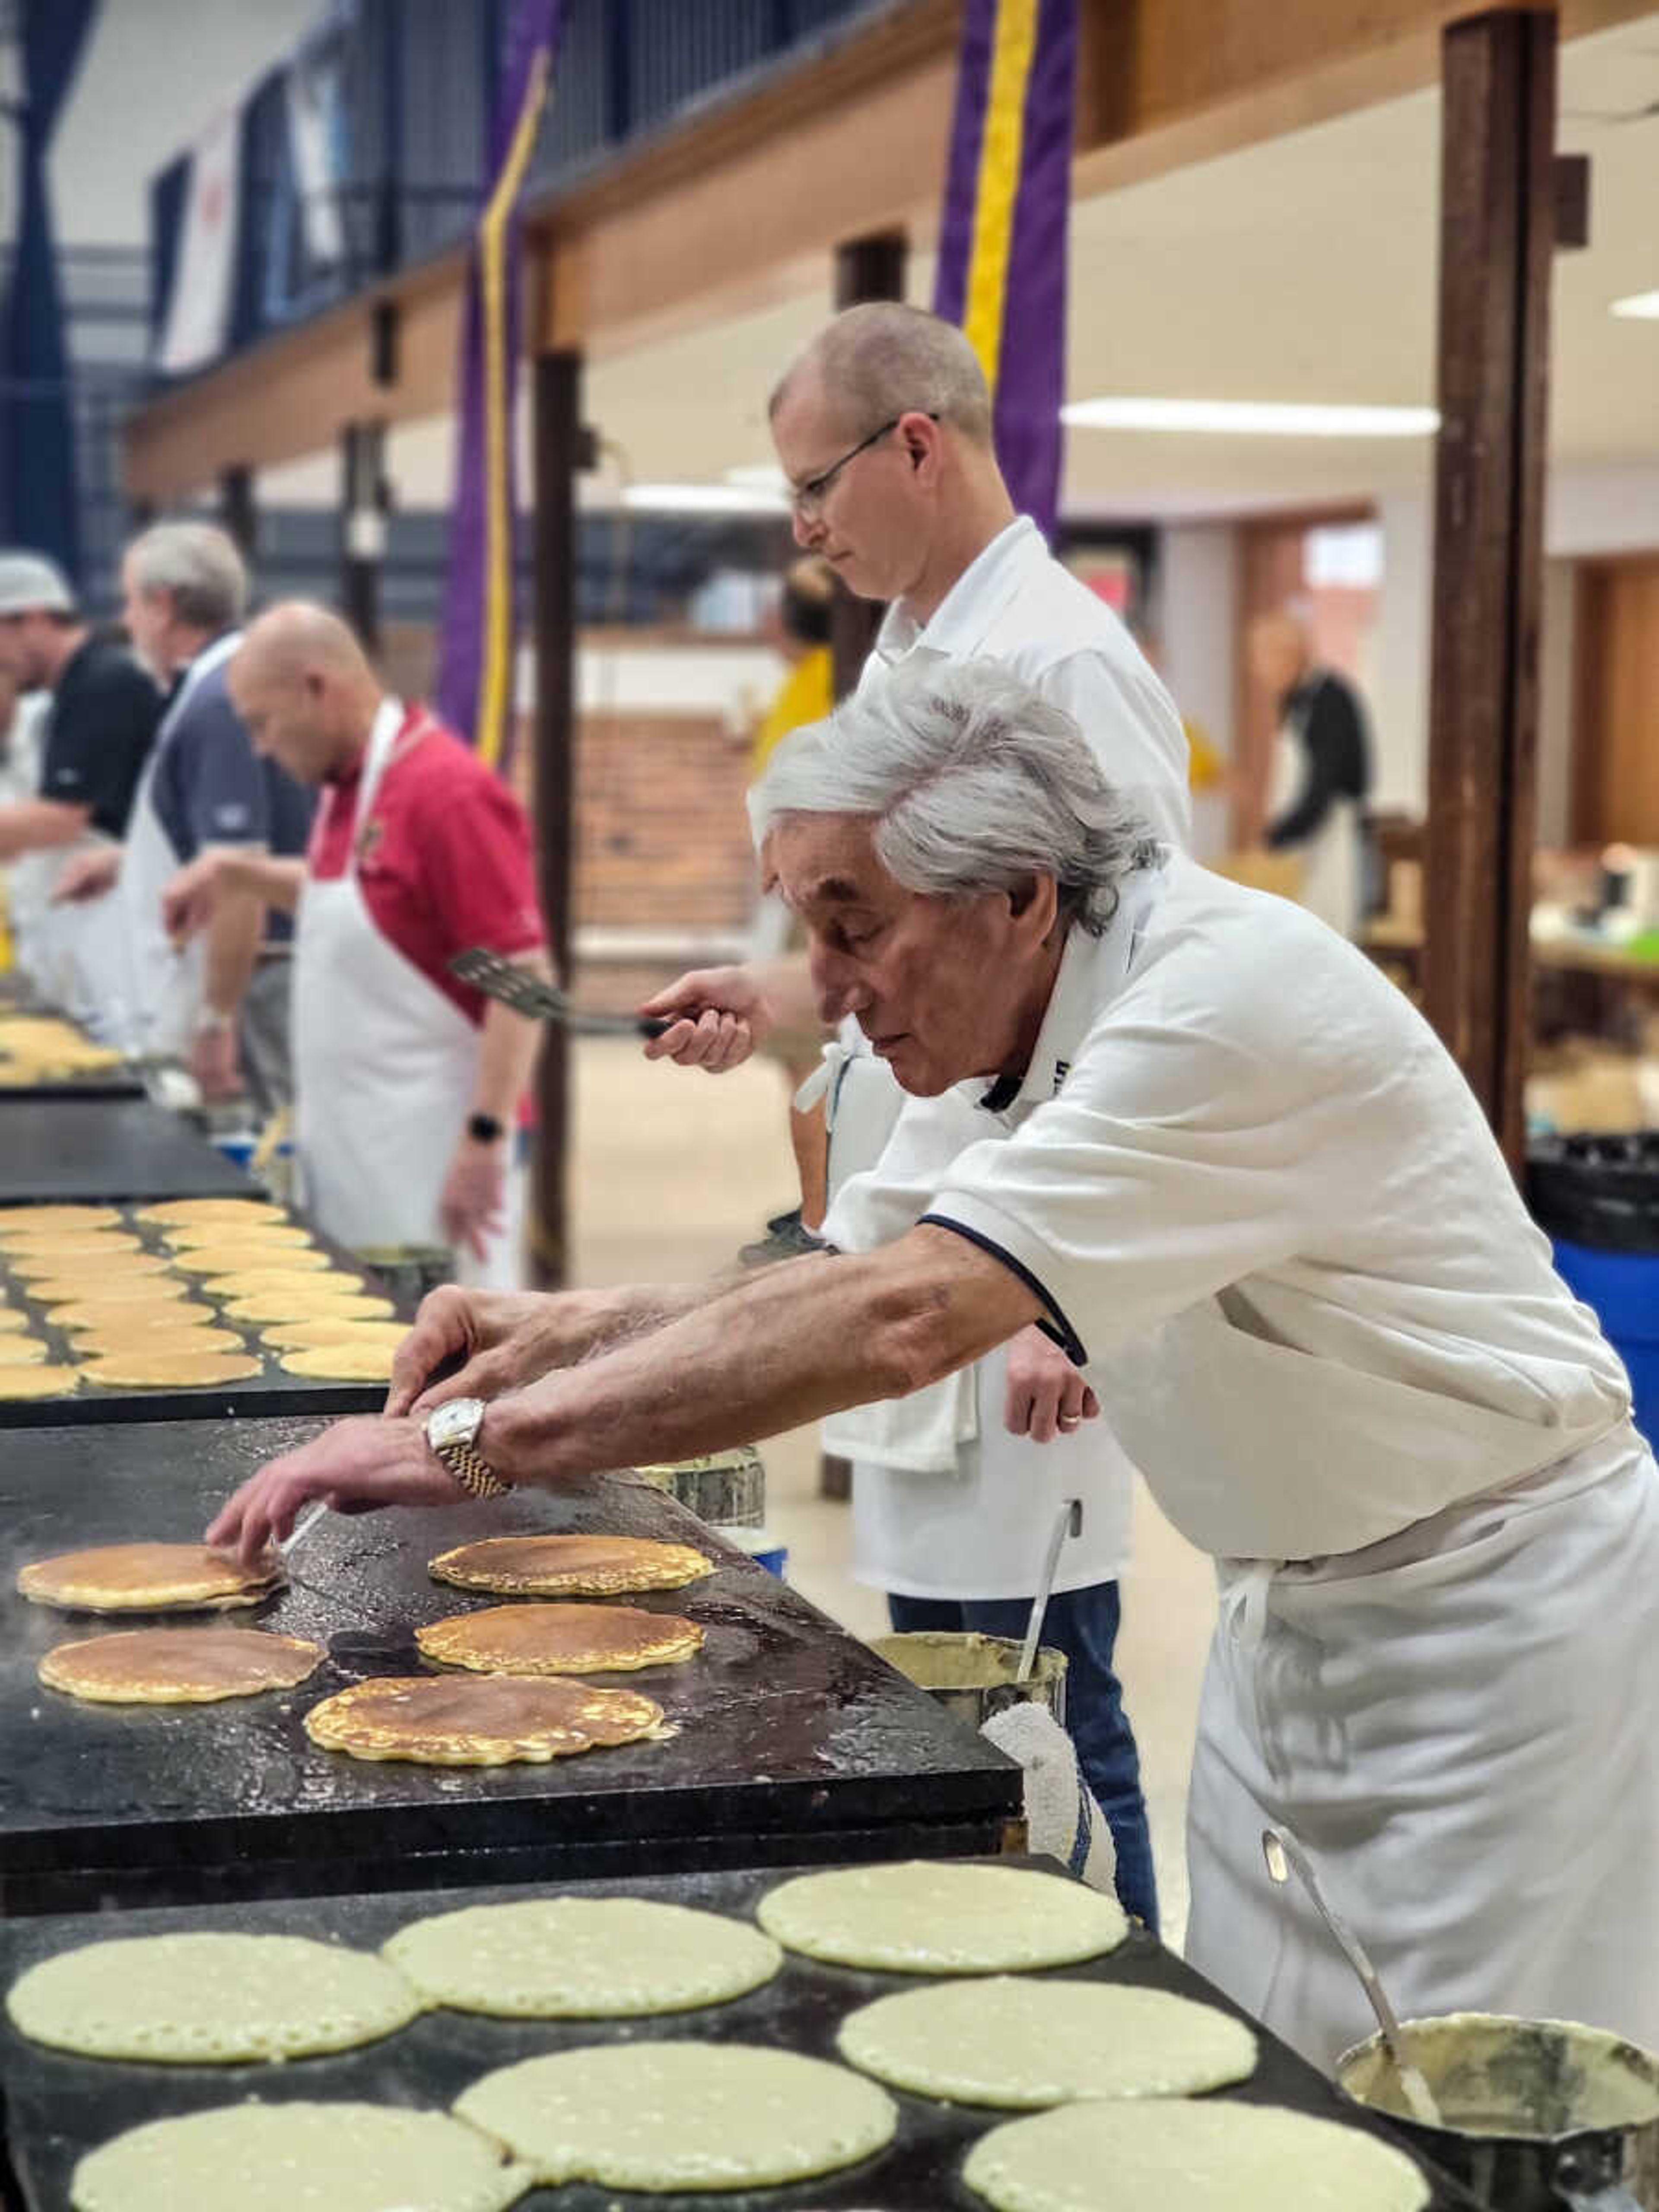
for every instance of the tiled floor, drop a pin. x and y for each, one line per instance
(670, 1173)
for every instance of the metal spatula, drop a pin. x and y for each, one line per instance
(525, 993)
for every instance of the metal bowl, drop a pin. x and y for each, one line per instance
(973, 1675)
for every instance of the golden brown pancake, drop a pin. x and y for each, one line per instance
(560, 1639)
(114, 1340)
(143, 1578)
(247, 1257)
(244, 1212)
(569, 1566)
(140, 1369)
(118, 1256)
(436, 1721)
(32, 1220)
(179, 1666)
(20, 1351)
(39, 1382)
(13, 1318)
(186, 1236)
(167, 1305)
(319, 1335)
(304, 1302)
(341, 1362)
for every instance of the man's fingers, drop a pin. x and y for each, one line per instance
(482, 1377)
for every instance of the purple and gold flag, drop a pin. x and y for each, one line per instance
(1002, 245)
(475, 676)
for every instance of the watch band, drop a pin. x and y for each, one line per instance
(471, 1470)
(485, 1129)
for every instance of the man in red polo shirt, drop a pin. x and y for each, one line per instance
(407, 1085)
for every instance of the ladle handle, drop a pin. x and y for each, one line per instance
(1067, 1521)
(1277, 1839)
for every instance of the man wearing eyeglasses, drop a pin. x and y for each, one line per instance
(884, 430)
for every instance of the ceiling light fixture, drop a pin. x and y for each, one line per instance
(1251, 418)
(1643, 306)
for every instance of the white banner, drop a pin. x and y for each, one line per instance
(198, 322)
(314, 128)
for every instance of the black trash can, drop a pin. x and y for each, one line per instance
(1597, 1199)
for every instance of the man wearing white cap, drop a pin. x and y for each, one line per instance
(98, 732)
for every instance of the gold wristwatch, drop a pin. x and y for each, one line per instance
(452, 1436)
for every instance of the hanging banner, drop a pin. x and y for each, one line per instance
(475, 679)
(196, 326)
(1002, 240)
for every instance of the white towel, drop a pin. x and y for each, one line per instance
(1062, 1818)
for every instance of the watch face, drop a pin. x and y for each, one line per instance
(456, 1423)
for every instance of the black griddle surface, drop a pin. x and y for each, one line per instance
(58, 2108)
(273, 1392)
(795, 1742)
(82, 1149)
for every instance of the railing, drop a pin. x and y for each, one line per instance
(412, 82)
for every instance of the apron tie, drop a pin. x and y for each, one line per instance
(1244, 1603)
(824, 1081)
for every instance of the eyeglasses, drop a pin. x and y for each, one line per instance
(807, 499)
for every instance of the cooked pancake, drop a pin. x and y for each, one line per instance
(30, 1220)
(273, 2158)
(1185, 2155)
(39, 1382)
(305, 1301)
(209, 2000)
(139, 1369)
(12, 1318)
(248, 1257)
(83, 1261)
(433, 1720)
(1021, 2042)
(560, 1639)
(160, 1304)
(178, 1666)
(341, 1362)
(581, 1958)
(922, 1917)
(174, 1210)
(20, 1351)
(114, 1340)
(186, 1236)
(678, 2116)
(569, 1566)
(143, 1578)
(319, 1335)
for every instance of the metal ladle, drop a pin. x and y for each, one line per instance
(1068, 1522)
(1282, 1852)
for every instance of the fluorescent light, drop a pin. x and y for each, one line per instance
(767, 477)
(1642, 305)
(1251, 418)
(704, 499)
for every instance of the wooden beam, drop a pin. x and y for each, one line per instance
(558, 449)
(1496, 235)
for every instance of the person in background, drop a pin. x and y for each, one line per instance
(1321, 774)
(221, 1007)
(101, 716)
(805, 695)
(408, 1085)
(883, 426)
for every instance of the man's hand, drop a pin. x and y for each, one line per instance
(1047, 1395)
(719, 1015)
(192, 898)
(213, 1061)
(87, 876)
(472, 1207)
(505, 1338)
(357, 1466)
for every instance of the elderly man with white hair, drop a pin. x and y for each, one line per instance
(1231, 1168)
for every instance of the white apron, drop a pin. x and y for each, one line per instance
(383, 1063)
(161, 1001)
(1332, 861)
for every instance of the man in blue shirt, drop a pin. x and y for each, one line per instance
(222, 1006)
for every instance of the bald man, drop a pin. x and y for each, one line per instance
(408, 1086)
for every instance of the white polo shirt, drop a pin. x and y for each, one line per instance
(1262, 1209)
(1017, 605)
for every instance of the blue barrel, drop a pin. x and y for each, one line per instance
(1597, 1199)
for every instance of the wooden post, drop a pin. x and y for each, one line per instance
(559, 449)
(870, 268)
(1496, 231)
(238, 510)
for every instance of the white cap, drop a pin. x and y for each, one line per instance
(30, 582)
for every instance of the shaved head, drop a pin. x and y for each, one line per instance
(884, 359)
(304, 686)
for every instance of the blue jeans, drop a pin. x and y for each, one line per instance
(1083, 1624)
